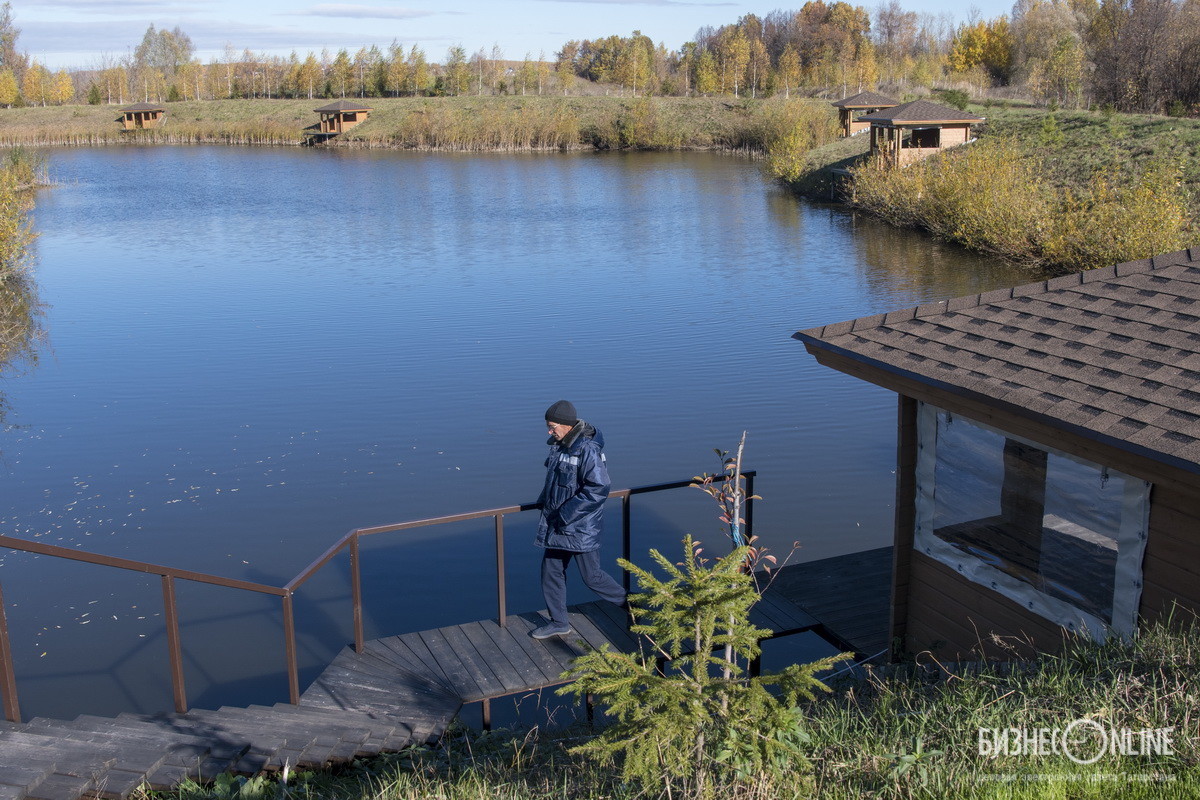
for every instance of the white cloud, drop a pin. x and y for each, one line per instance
(644, 3)
(347, 11)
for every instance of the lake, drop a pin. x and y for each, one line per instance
(251, 351)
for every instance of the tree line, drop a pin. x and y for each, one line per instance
(1131, 55)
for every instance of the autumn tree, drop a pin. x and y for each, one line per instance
(527, 74)
(341, 73)
(62, 88)
(708, 79)
(10, 57)
(307, 76)
(8, 88)
(456, 78)
(397, 70)
(735, 57)
(986, 45)
(35, 86)
(789, 69)
(418, 70)
(564, 65)
(543, 71)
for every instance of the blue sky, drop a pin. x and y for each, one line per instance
(79, 33)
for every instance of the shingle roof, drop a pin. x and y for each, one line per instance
(343, 105)
(920, 111)
(866, 100)
(1114, 354)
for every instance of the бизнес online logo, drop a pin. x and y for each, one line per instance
(1084, 741)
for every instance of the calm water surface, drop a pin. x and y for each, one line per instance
(251, 351)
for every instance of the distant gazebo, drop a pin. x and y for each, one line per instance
(863, 102)
(341, 116)
(917, 130)
(141, 115)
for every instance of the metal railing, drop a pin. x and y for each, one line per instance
(168, 575)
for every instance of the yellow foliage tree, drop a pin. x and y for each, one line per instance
(62, 88)
(988, 45)
(8, 87)
(35, 86)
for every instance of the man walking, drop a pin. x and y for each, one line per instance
(572, 518)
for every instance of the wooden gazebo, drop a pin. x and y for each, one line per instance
(1048, 459)
(917, 130)
(341, 116)
(141, 115)
(861, 103)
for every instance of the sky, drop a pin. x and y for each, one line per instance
(83, 33)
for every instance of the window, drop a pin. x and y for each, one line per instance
(1059, 535)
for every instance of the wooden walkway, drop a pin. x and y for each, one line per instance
(399, 691)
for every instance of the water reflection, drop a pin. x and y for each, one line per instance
(915, 266)
(21, 332)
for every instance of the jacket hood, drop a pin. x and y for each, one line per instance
(581, 432)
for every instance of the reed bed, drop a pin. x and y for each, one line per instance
(467, 124)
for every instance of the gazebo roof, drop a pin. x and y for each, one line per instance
(866, 100)
(342, 105)
(142, 107)
(1110, 354)
(920, 111)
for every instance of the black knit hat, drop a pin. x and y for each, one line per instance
(562, 413)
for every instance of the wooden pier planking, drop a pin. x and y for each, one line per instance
(850, 595)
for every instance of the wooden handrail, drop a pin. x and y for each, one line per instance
(8, 685)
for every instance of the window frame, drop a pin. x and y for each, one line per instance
(1131, 538)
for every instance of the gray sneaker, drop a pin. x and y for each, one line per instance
(550, 629)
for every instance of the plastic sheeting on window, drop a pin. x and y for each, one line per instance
(1057, 534)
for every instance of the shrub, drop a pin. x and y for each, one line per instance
(789, 131)
(1113, 220)
(953, 97)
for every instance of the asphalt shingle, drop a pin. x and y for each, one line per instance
(1114, 352)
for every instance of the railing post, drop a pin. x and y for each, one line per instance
(749, 507)
(8, 681)
(626, 541)
(174, 647)
(356, 593)
(289, 644)
(501, 583)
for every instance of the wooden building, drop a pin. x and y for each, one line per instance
(1048, 454)
(861, 103)
(141, 115)
(917, 130)
(341, 116)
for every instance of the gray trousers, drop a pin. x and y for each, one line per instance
(554, 580)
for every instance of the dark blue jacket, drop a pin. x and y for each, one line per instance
(576, 487)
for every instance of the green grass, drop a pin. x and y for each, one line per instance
(908, 732)
(1094, 141)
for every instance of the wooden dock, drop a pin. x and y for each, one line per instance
(399, 691)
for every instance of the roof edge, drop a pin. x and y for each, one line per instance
(999, 295)
(1174, 462)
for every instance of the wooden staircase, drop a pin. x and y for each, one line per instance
(399, 691)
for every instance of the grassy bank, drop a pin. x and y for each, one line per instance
(912, 733)
(446, 123)
(1060, 190)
